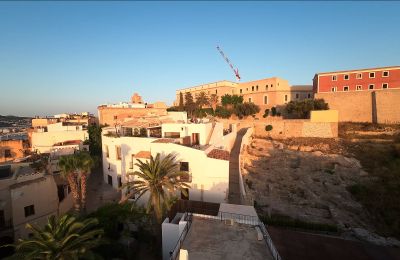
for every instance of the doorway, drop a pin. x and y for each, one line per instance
(195, 138)
(110, 181)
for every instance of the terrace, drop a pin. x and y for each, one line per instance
(215, 231)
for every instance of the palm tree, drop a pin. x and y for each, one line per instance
(67, 165)
(61, 238)
(85, 165)
(213, 101)
(161, 178)
(76, 169)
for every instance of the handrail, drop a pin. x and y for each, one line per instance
(174, 253)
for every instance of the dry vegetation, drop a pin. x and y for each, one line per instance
(350, 182)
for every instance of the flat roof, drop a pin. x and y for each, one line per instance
(365, 69)
(213, 239)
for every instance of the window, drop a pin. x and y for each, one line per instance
(252, 88)
(7, 153)
(272, 85)
(265, 100)
(371, 86)
(385, 74)
(184, 166)
(385, 85)
(29, 210)
(241, 91)
(358, 87)
(358, 76)
(247, 89)
(333, 89)
(308, 95)
(372, 75)
(118, 151)
(216, 91)
(266, 87)
(285, 98)
(297, 95)
(107, 152)
(115, 117)
(346, 77)
(257, 88)
(250, 100)
(346, 88)
(334, 78)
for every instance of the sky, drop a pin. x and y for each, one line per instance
(58, 57)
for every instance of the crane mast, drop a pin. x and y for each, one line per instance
(236, 71)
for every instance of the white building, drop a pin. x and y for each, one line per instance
(43, 139)
(202, 149)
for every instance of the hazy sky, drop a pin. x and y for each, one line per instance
(73, 56)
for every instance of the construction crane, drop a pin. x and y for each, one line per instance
(236, 71)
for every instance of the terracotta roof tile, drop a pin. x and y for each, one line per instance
(219, 154)
(143, 155)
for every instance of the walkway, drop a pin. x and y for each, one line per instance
(234, 189)
(99, 192)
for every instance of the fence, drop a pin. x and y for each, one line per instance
(269, 242)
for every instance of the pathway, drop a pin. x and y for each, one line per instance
(99, 192)
(234, 188)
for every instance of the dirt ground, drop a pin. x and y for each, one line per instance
(309, 178)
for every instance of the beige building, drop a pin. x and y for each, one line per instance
(29, 196)
(117, 114)
(265, 93)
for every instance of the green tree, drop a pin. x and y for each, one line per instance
(301, 109)
(202, 99)
(246, 109)
(231, 100)
(95, 139)
(222, 112)
(61, 238)
(161, 178)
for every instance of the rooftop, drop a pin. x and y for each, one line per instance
(366, 69)
(213, 239)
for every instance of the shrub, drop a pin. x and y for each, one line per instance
(246, 109)
(231, 100)
(286, 221)
(266, 112)
(301, 109)
(222, 112)
(173, 109)
(273, 111)
(268, 128)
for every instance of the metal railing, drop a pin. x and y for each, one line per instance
(174, 253)
(269, 242)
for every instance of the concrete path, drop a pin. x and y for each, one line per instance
(99, 192)
(234, 189)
